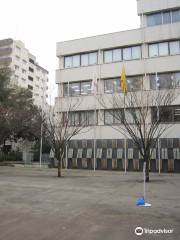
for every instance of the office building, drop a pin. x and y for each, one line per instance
(152, 49)
(26, 72)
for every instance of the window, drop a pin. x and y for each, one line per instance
(86, 88)
(31, 69)
(175, 77)
(166, 114)
(163, 49)
(118, 116)
(174, 47)
(78, 88)
(30, 87)
(68, 62)
(108, 117)
(136, 52)
(114, 116)
(92, 58)
(74, 89)
(65, 89)
(134, 83)
(84, 60)
(153, 50)
(78, 118)
(154, 19)
(76, 60)
(177, 114)
(166, 17)
(23, 71)
(31, 60)
(176, 15)
(108, 56)
(127, 54)
(91, 118)
(80, 60)
(112, 85)
(30, 78)
(112, 56)
(166, 80)
(117, 55)
(16, 67)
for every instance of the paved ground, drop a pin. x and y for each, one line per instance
(83, 205)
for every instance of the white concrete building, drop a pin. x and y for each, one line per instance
(26, 72)
(152, 48)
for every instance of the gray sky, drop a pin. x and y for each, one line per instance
(42, 23)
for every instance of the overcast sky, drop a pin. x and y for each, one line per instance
(42, 23)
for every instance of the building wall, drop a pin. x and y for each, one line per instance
(144, 66)
(24, 73)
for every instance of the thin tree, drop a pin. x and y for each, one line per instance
(141, 118)
(60, 128)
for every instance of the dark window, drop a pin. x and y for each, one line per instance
(77, 88)
(113, 116)
(31, 60)
(165, 80)
(30, 78)
(85, 118)
(166, 114)
(30, 87)
(31, 69)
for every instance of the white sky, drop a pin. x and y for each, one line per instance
(42, 23)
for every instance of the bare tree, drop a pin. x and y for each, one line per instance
(60, 128)
(140, 117)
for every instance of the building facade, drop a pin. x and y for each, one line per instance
(26, 72)
(152, 49)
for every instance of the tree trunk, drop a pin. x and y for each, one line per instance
(147, 169)
(59, 167)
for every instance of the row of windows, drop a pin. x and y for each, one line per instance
(166, 115)
(120, 54)
(116, 116)
(78, 60)
(85, 118)
(77, 88)
(163, 17)
(164, 49)
(123, 54)
(165, 80)
(113, 85)
(23, 70)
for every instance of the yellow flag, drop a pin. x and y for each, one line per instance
(124, 87)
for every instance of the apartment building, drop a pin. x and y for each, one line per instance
(152, 49)
(26, 72)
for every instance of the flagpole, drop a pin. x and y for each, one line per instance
(124, 89)
(158, 141)
(94, 89)
(68, 121)
(125, 142)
